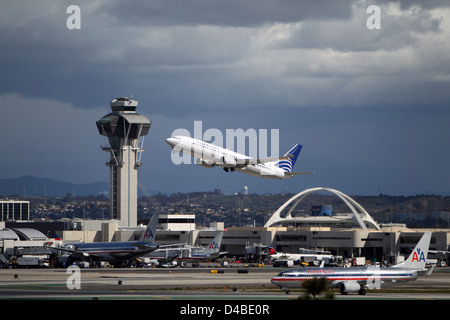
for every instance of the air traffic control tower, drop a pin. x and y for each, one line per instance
(125, 129)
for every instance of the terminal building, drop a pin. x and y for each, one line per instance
(23, 246)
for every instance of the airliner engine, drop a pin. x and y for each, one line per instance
(204, 163)
(229, 161)
(350, 286)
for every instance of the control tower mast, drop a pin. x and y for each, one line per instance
(125, 129)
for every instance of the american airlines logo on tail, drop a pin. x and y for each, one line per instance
(213, 245)
(418, 256)
(148, 233)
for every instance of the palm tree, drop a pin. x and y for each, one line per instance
(315, 287)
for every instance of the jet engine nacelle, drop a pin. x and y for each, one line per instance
(204, 163)
(229, 161)
(349, 286)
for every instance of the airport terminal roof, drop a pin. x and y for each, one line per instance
(25, 234)
(8, 234)
(350, 220)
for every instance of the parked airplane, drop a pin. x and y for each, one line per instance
(196, 254)
(168, 256)
(305, 255)
(113, 252)
(358, 279)
(209, 155)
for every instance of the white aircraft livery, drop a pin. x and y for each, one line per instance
(358, 279)
(209, 155)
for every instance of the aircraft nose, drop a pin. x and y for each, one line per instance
(171, 142)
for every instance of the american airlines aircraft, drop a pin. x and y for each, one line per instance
(358, 279)
(209, 155)
(166, 257)
(113, 252)
(195, 254)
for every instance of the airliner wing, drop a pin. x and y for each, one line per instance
(295, 173)
(72, 251)
(168, 259)
(145, 246)
(438, 251)
(172, 246)
(64, 249)
(264, 160)
(254, 161)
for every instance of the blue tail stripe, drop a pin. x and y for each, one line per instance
(288, 165)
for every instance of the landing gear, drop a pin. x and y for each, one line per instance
(229, 169)
(288, 291)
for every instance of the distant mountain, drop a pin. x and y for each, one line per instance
(32, 186)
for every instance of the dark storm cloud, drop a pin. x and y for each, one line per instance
(407, 4)
(47, 138)
(221, 55)
(398, 31)
(248, 13)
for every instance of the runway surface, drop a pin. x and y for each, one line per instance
(186, 284)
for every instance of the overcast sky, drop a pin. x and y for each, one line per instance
(370, 107)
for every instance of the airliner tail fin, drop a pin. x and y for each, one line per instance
(418, 256)
(288, 164)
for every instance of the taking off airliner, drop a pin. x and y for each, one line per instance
(358, 279)
(209, 155)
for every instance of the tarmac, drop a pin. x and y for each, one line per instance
(187, 284)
